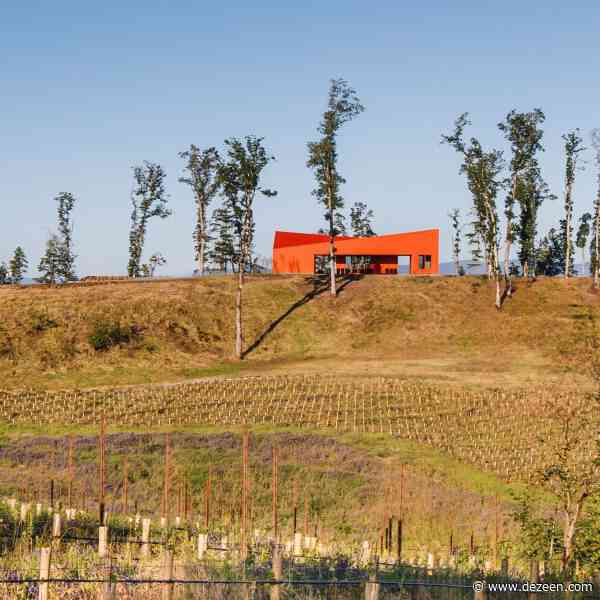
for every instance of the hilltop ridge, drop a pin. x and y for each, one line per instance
(438, 328)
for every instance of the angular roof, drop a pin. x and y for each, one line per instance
(283, 239)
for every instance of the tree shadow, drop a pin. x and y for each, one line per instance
(320, 285)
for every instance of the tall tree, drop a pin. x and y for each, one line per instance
(482, 170)
(202, 176)
(222, 252)
(149, 200)
(66, 266)
(50, 263)
(240, 180)
(361, 220)
(456, 239)
(595, 250)
(343, 106)
(573, 148)
(18, 265)
(4, 278)
(583, 233)
(523, 132)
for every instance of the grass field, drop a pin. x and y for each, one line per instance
(402, 396)
(437, 329)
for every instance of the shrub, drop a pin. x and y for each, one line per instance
(7, 346)
(107, 333)
(41, 321)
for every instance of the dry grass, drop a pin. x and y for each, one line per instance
(433, 328)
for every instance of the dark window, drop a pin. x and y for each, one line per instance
(321, 264)
(424, 261)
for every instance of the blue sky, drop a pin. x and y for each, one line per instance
(87, 90)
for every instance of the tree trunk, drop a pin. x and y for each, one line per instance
(568, 218)
(332, 287)
(571, 519)
(239, 338)
(508, 244)
(597, 245)
(201, 256)
(498, 295)
(201, 233)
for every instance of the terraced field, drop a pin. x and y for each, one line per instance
(506, 432)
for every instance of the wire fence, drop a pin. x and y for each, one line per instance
(264, 589)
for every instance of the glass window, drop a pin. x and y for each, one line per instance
(424, 261)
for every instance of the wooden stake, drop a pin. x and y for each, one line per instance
(305, 515)
(70, 472)
(125, 486)
(207, 496)
(168, 586)
(167, 479)
(244, 511)
(44, 573)
(275, 491)
(102, 469)
(399, 540)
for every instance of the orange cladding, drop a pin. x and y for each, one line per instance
(296, 252)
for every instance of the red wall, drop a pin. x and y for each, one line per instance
(294, 253)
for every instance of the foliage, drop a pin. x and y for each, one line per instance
(527, 188)
(240, 180)
(583, 233)
(149, 200)
(361, 220)
(456, 239)
(7, 345)
(18, 265)
(66, 257)
(50, 263)
(222, 252)
(572, 472)
(482, 170)
(4, 276)
(107, 333)
(550, 255)
(40, 320)
(202, 169)
(155, 261)
(343, 106)
(595, 242)
(539, 535)
(573, 148)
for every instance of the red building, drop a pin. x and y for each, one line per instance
(308, 253)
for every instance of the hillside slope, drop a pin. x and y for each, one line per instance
(433, 328)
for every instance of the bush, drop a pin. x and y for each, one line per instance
(41, 321)
(7, 346)
(107, 334)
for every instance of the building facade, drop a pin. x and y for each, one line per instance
(414, 253)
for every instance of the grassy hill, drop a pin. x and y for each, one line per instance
(351, 483)
(440, 329)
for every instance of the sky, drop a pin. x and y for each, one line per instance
(88, 90)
